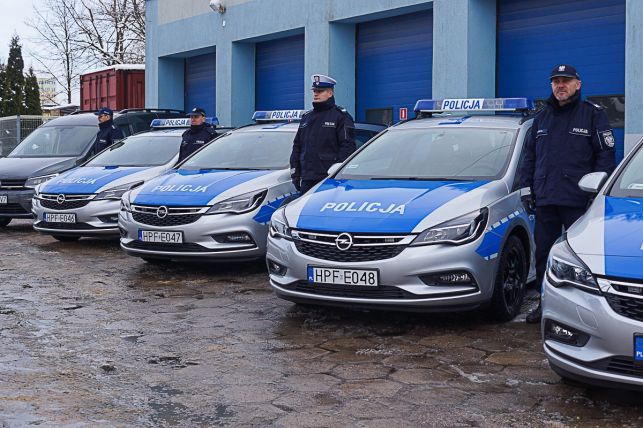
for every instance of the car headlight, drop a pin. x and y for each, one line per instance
(458, 231)
(32, 182)
(239, 204)
(564, 267)
(125, 203)
(279, 225)
(116, 193)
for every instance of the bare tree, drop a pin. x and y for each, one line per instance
(57, 55)
(76, 35)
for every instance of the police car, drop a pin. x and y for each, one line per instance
(425, 217)
(593, 288)
(217, 203)
(85, 201)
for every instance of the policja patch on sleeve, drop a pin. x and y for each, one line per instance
(607, 138)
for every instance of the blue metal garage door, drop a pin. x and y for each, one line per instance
(535, 35)
(200, 83)
(279, 74)
(394, 65)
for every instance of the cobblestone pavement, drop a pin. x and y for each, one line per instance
(92, 337)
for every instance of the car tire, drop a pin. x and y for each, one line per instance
(64, 238)
(510, 281)
(5, 222)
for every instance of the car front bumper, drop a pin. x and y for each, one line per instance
(18, 203)
(402, 278)
(607, 358)
(97, 218)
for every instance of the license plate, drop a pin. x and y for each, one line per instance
(60, 218)
(323, 275)
(4, 199)
(160, 237)
(638, 349)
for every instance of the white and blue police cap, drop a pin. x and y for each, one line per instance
(322, 82)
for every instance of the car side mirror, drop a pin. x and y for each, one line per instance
(334, 168)
(592, 182)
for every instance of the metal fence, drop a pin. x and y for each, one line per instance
(14, 129)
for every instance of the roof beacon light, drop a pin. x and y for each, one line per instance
(474, 104)
(278, 115)
(183, 122)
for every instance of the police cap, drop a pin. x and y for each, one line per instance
(322, 82)
(104, 110)
(564, 70)
(197, 111)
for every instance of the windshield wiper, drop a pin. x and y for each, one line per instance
(420, 178)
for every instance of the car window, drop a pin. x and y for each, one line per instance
(56, 141)
(629, 183)
(362, 136)
(139, 150)
(245, 150)
(434, 154)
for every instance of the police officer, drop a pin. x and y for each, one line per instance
(326, 135)
(198, 135)
(108, 133)
(568, 139)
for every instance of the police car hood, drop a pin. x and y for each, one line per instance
(381, 206)
(88, 180)
(196, 188)
(23, 168)
(609, 237)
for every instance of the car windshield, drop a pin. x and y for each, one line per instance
(629, 183)
(433, 154)
(56, 141)
(140, 150)
(245, 150)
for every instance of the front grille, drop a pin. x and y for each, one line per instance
(12, 209)
(69, 202)
(7, 184)
(67, 205)
(175, 216)
(619, 365)
(65, 226)
(365, 248)
(177, 248)
(626, 306)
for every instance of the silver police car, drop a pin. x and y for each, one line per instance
(593, 289)
(425, 217)
(85, 201)
(217, 204)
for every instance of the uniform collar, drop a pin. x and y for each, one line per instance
(553, 102)
(325, 105)
(197, 128)
(106, 125)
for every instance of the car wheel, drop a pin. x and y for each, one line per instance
(4, 221)
(64, 238)
(510, 281)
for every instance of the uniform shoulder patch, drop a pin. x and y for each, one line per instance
(596, 106)
(607, 138)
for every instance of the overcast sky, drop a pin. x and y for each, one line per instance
(12, 21)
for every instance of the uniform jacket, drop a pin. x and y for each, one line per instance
(564, 144)
(326, 135)
(108, 133)
(195, 138)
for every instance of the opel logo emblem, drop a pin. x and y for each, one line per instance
(161, 212)
(344, 241)
(60, 199)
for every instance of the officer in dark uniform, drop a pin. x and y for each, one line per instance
(198, 135)
(108, 133)
(568, 139)
(326, 135)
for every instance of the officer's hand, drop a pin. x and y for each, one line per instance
(296, 181)
(529, 203)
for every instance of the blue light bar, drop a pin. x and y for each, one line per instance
(277, 115)
(474, 104)
(183, 122)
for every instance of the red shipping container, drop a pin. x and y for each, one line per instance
(117, 87)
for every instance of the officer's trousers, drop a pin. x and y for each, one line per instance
(550, 221)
